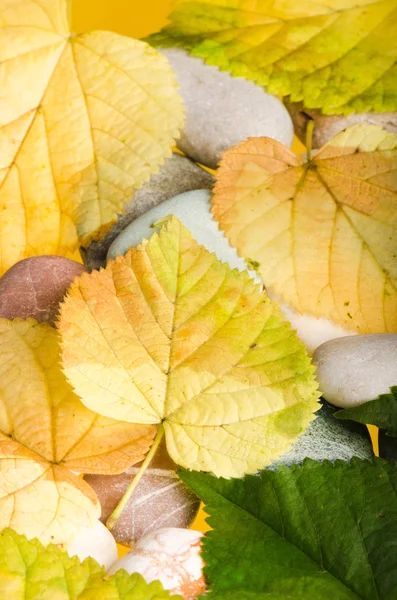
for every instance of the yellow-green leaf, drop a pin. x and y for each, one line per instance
(323, 231)
(339, 56)
(84, 120)
(169, 334)
(44, 431)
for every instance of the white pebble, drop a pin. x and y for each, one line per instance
(169, 555)
(193, 210)
(222, 110)
(97, 543)
(355, 369)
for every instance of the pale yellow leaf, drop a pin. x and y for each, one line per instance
(42, 418)
(323, 232)
(169, 334)
(84, 120)
(40, 499)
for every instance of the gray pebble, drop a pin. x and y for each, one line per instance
(222, 110)
(178, 174)
(355, 369)
(327, 438)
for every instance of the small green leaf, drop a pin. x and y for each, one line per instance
(381, 412)
(319, 531)
(30, 571)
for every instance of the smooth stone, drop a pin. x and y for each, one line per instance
(178, 174)
(355, 369)
(328, 438)
(171, 556)
(193, 209)
(222, 110)
(34, 287)
(160, 500)
(95, 542)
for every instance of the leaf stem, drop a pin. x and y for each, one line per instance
(309, 139)
(110, 523)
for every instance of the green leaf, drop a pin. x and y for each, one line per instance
(339, 56)
(317, 531)
(30, 571)
(381, 412)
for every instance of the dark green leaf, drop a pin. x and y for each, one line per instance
(381, 412)
(318, 531)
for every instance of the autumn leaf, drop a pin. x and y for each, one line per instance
(322, 230)
(30, 571)
(44, 432)
(315, 531)
(169, 335)
(84, 121)
(340, 57)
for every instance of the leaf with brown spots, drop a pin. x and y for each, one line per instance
(323, 230)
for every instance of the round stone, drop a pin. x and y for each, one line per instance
(171, 556)
(222, 110)
(355, 369)
(178, 174)
(34, 287)
(95, 542)
(160, 500)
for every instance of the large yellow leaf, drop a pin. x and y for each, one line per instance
(170, 335)
(321, 232)
(84, 120)
(44, 430)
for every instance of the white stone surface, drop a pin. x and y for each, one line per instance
(96, 542)
(355, 369)
(170, 555)
(222, 110)
(193, 209)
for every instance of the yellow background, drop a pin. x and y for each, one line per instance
(136, 18)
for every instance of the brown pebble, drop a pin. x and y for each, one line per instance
(328, 126)
(34, 287)
(160, 500)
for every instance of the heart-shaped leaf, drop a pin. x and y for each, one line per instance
(169, 335)
(322, 231)
(84, 120)
(44, 431)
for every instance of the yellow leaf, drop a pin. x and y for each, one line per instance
(44, 431)
(84, 120)
(322, 231)
(170, 335)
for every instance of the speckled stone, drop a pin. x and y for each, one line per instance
(171, 556)
(222, 110)
(355, 369)
(328, 438)
(178, 174)
(160, 500)
(34, 287)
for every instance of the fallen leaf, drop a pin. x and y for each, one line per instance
(84, 121)
(322, 231)
(319, 530)
(28, 570)
(340, 56)
(45, 431)
(170, 335)
(381, 412)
